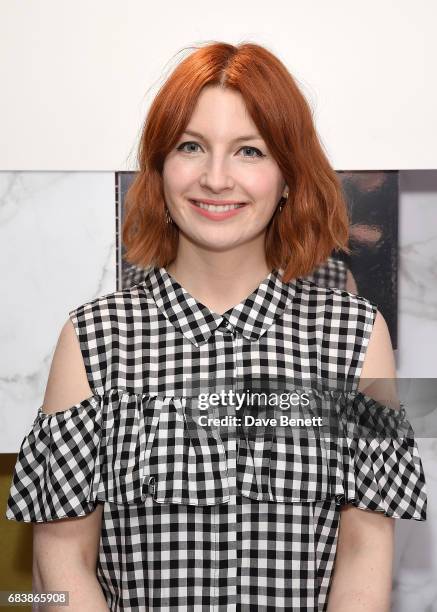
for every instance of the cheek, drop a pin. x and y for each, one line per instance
(262, 185)
(178, 175)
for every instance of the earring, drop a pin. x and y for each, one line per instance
(282, 201)
(168, 219)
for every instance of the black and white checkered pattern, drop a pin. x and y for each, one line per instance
(209, 518)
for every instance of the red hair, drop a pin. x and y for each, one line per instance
(314, 220)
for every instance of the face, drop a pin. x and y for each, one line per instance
(222, 158)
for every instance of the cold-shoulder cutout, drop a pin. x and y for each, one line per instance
(67, 383)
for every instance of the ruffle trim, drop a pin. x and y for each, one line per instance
(122, 447)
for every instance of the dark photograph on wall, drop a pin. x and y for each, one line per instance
(370, 270)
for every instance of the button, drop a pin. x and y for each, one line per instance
(226, 327)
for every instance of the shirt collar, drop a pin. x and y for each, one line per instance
(251, 318)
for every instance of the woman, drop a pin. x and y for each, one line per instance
(234, 201)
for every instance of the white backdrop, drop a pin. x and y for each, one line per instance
(77, 77)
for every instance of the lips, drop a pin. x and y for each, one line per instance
(212, 203)
(221, 213)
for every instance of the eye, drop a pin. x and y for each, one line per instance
(259, 153)
(182, 146)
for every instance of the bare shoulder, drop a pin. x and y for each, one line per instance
(379, 359)
(351, 285)
(378, 374)
(67, 383)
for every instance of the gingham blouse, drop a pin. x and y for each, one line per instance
(217, 517)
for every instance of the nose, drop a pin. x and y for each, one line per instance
(215, 175)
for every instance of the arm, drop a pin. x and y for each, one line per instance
(362, 578)
(65, 550)
(351, 285)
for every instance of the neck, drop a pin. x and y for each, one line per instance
(220, 281)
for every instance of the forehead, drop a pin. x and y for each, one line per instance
(221, 113)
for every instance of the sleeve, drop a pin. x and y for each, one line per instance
(358, 451)
(54, 475)
(376, 460)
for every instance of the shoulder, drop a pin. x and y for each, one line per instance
(108, 320)
(108, 306)
(359, 321)
(96, 334)
(379, 359)
(349, 302)
(342, 317)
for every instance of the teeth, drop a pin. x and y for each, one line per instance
(213, 208)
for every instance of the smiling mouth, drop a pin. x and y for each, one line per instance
(217, 207)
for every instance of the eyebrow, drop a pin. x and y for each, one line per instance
(239, 139)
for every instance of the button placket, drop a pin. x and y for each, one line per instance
(237, 356)
(226, 327)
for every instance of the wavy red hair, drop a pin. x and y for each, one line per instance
(314, 220)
